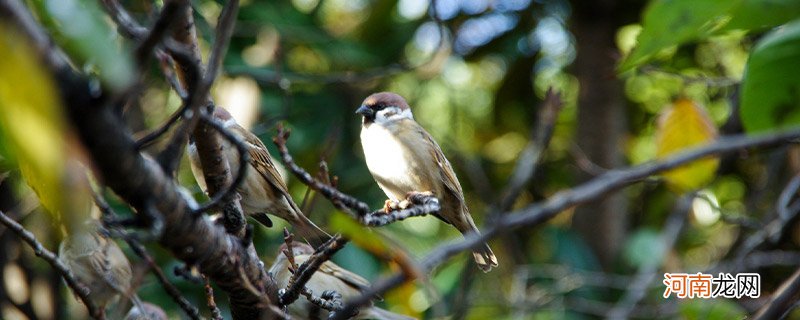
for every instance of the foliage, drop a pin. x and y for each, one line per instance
(693, 68)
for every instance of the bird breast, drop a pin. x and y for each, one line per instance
(395, 162)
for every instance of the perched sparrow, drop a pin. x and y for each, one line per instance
(403, 158)
(147, 311)
(262, 191)
(330, 276)
(98, 263)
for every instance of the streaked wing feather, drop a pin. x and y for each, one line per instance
(260, 158)
(448, 176)
(346, 276)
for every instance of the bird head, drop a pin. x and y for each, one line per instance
(383, 108)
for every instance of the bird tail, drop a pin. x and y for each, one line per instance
(309, 231)
(483, 255)
(378, 313)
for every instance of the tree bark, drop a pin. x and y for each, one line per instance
(601, 122)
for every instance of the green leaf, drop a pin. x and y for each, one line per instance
(754, 15)
(715, 309)
(88, 38)
(644, 248)
(770, 90)
(668, 23)
(358, 234)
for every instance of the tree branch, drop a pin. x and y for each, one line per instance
(78, 288)
(781, 300)
(303, 273)
(539, 213)
(637, 289)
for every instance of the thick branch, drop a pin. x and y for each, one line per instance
(138, 180)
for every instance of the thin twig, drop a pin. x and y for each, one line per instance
(782, 300)
(288, 238)
(528, 161)
(160, 28)
(539, 213)
(212, 304)
(303, 274)
(78, 288)
(141, 251)
(127, 25)
(171, 290)
(637, 289)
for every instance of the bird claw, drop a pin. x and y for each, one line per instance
(390, 205)
(404, 204)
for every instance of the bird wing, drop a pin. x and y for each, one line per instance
(345, 275)
(116, 268)
(260, 159)
(447, 175)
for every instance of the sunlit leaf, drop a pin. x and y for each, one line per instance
(673, 22)
(31, 119)
(762, 14)
(358, 234)
(770, 90)
(89, 39)
(33, 129)
(683, 126)
(668, 23)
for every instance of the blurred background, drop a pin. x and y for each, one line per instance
(475, 73)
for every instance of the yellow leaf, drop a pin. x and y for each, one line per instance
(32, 125)
(683, 126)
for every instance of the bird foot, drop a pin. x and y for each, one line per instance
(389, 205)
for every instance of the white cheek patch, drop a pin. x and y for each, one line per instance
(390, 114)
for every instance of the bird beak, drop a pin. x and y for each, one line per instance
(365, 111)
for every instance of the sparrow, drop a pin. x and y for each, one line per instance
(329, 276)
(147, 311)
(403, 158)
(98, 263)
(262, 191)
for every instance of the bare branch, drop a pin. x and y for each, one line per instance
(528, 161)
(160, 28)
(303, 273)
(215, 313)
(782, 300)
(78, 288)
(539, 213)
(171, 290)
(637, 289)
